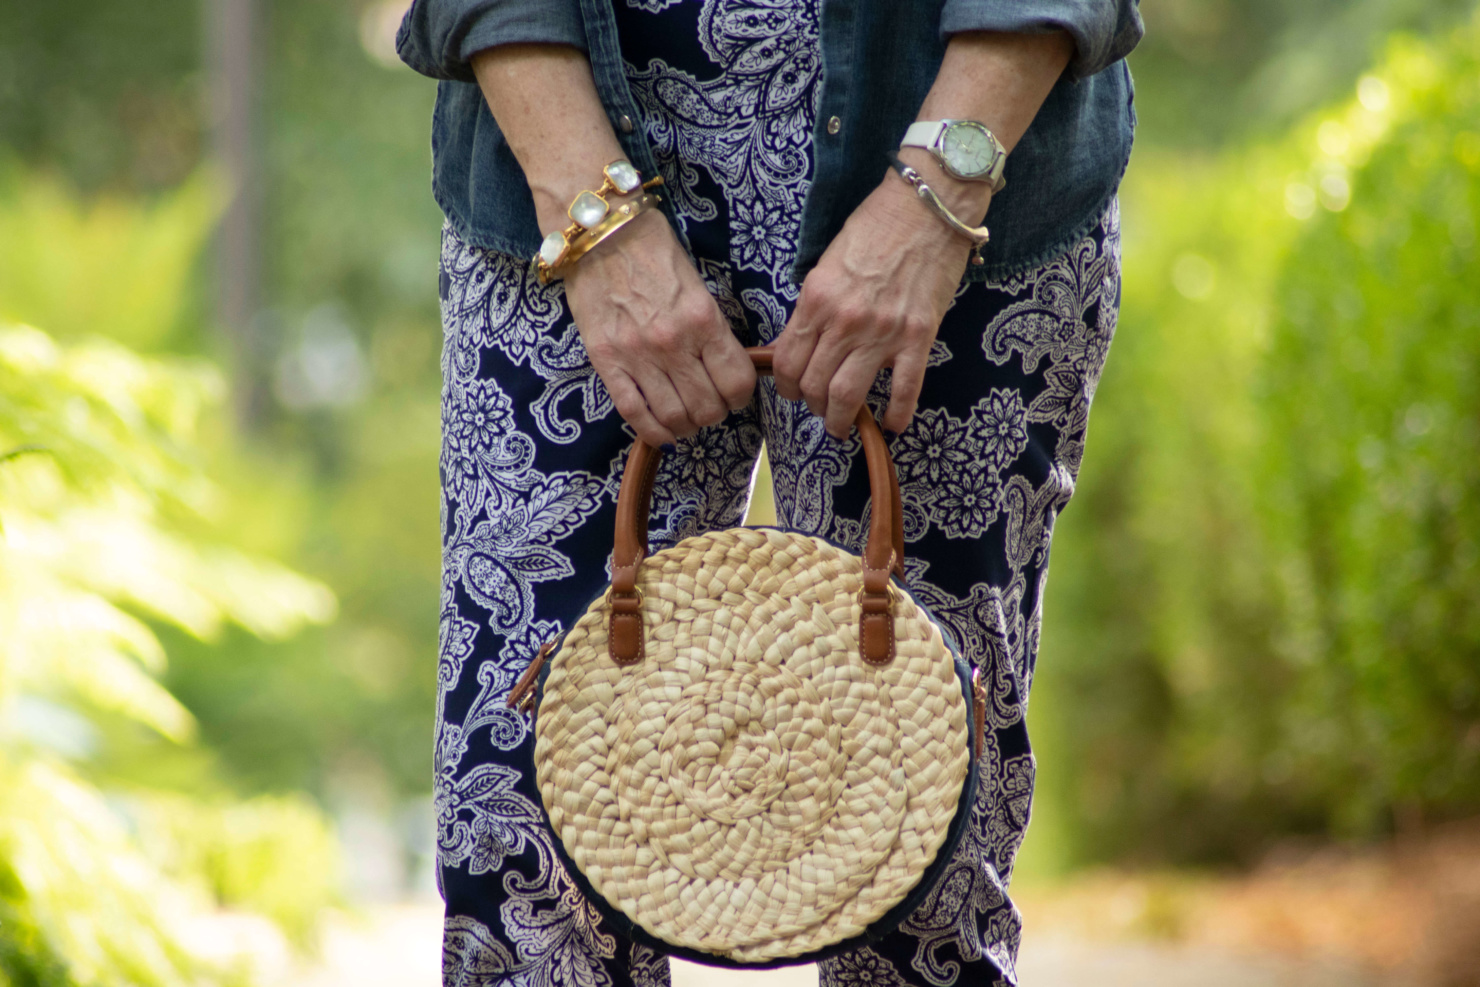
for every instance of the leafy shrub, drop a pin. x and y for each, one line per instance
(1262, 619)
(97, 473)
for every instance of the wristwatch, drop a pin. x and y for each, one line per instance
(965, 149)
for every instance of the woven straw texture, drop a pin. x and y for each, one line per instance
(752, 788)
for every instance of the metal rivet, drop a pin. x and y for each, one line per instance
(834, 125)
(626, 124)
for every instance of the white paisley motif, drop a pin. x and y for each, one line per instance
(562, 943)
(1051, 323)
(702, 485)
(860, 968)
(968, 910)
(750, 125)
(471, 955)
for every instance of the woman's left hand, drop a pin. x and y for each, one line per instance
(874, 300)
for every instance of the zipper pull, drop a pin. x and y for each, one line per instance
(523, 694)
(979, 712)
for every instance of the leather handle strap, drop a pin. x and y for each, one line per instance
(883, 551)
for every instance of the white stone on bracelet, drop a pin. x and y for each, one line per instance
(623, 176)
(552, 247)
(588, 209)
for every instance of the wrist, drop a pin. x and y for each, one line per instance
(648, 239)
(594, 215)
(968, 201)
(916, 223)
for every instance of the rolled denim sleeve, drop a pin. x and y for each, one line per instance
(1104, 31)
(438, 37)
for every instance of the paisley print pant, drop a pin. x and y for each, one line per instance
(531, 459)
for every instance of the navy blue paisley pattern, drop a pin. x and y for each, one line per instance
(531, 460)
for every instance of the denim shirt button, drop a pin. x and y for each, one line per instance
(834, 125)
(626, 124)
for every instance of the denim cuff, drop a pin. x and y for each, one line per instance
(1104, 31)
(438, 38)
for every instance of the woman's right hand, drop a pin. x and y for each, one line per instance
(655, 335)
(652, 330)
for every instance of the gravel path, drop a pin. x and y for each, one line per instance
(1063, 963)
(399, 947)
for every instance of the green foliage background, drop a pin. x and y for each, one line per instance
(109, 528)
(1260, 622)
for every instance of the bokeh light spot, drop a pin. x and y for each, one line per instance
(1300, 200)
(1194, 276)
(378, 25)
(1373, 93)
(1336, 192)
(1334, 139)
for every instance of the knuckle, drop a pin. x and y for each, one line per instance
(665, 335)
(841, 391)
(628, 407)
(636, 414)
(708, 408)
(916, 327)
(673, 420)
(852, 313)
(816, 298)
(807, 296)
(696, 310)
(737, 395)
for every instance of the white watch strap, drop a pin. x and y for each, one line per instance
(924, 133)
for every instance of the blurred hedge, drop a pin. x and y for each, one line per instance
(1263, 614)
(104, 520)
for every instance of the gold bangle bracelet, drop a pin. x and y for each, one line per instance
(590, 207)
(587, 241)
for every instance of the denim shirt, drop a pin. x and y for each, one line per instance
(879, 59)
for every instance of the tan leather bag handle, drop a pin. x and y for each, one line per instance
(883, 552)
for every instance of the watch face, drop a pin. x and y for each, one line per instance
(967, 150)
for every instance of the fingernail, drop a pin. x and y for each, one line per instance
(669, 448)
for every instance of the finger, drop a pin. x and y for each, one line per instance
(664, 402)
(794, 348)
(904, 390)
(633, 408)
(681, 336)
(730, 370)
(827, 357)
(702, 402)
(846, 392)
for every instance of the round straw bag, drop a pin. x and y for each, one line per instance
(754, 749)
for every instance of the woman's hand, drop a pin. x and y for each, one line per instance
(652, 330)
(655, 335)
(874, 300)
(877, 296)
